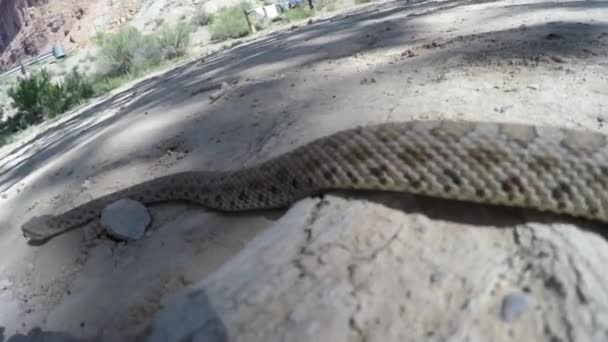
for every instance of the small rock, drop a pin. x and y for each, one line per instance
(513, 306)
(503, 109)
(436, 277)
(408, 54)
(87, 184)
(125, 219)
(91, 233)
(55, 22)
(366, 80)
(5, 284)
(590, 52)
(220, 92)
(553, 36)
(430, 45)
(533, 86)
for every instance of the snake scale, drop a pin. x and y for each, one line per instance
(546, 168)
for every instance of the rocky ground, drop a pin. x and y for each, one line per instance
(345, 267)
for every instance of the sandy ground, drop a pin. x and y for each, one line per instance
(518, 61)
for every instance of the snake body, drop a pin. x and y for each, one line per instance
(546, 168)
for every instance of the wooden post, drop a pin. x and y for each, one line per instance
(251, 26)
(22, 68)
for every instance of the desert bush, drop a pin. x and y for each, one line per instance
(327, 5)
(90, 57)
(16, 123)
(200, 17)
(148, 54)
(246, 5)
(299, 13)
(32, 94)
(228, 23)
(77, 87)
(98, 37)
(174, 39)
(119, 51)
(128, 52)
(37, 96)
(103, 84)
(5, 137)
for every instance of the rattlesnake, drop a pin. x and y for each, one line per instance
(546, 168)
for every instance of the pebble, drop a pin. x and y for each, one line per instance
(125, 219)
(220, 92)
(513, 306)
(533, 86)
(5, 285)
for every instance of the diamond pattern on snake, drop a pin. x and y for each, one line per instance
(545, 168)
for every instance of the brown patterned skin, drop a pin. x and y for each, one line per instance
(546, 168)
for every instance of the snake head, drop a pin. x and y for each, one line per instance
(38, 228)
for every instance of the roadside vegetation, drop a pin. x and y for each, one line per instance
(228, 23)
(123, 56)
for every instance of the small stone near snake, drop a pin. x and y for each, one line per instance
(513, 306)
(5, 285)
(436, 277)
(125, 219)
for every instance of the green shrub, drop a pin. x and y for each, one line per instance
(299, 13)
(362, 1)
(128, 52)
(77, 87)
(174, 39)
(37, 96)
(5, 137)
(33, 94)
(246, 5)
(229, 22)
(16, 123)
(103, 84)
(99, 37)
(124, 51)
(90, 57)
(148, 53)
(327, 5)
(200, 18)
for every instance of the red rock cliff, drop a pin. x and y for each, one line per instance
(13, 16)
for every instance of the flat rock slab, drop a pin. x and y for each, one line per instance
(125, 219)
(351, 270)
